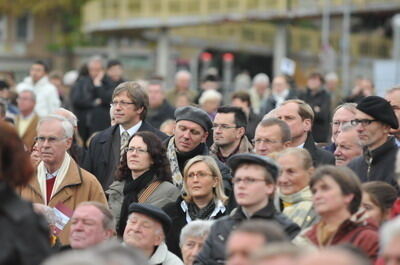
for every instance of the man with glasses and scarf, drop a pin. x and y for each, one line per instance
(373, 120)
(254, 184)
(129, 107)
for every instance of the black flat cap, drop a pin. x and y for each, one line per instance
(236, 160)
(380, 109)
(194, 114)
(153, 212)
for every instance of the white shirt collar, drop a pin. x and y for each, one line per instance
(219, 207)
(131, 130)
(301, 145)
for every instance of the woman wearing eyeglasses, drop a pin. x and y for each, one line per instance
(203, 198)
(336, 196)
(143, 176)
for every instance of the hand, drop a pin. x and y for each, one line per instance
(98, 78)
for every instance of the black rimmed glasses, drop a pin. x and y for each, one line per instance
(121, 103)
(363, 122)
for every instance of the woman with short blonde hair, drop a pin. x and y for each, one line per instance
(203, 198)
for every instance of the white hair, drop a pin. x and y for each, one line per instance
(65, 124)
(30, 91)
(182, 73)
(210, 95)
(261, 78)
(197, 228)
(332, 76)
(70, 77)
(388, 232)
(68, 115)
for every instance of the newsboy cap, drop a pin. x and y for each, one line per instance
(246, 158)
(153, 212)
(194, 114)
(380, 109)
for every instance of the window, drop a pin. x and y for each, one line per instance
(24, 28)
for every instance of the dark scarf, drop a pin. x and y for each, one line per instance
(132, 189)
(203, 214)
(201, 149)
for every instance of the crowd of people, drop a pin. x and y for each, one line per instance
(130, 172)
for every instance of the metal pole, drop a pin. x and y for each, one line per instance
(325, 24)
(346, 48)
(396, 45)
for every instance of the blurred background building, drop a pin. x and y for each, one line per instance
(348, 37)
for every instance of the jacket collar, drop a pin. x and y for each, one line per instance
(267, 212)
(379, 153)
(244, 146)
(159, 255)
(73, 177)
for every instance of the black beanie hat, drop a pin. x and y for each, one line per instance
(380, 109)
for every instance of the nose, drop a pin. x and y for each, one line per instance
(77, 226)
(186, 134)
(337, 152)
(282, 178)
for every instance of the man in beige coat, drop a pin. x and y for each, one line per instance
(59, 181)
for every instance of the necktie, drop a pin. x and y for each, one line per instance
(124, 142)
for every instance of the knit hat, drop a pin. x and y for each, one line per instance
(380, 109)
(194, 114)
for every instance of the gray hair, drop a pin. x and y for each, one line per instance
(96, 58)
(108, 218)
(388, 232)
(68, 115)
(65, 124)
(261, 78)
(350, 106)
(197, 228)
(30, 91)
(108, 253)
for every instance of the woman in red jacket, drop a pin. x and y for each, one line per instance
(337, 198)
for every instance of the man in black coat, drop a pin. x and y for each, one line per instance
(373, 120)
(299, 116)
(129, 108)
(90, 98)
(320, 101)
(254, 183)
(160, 109)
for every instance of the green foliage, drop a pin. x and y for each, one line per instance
(17, 7)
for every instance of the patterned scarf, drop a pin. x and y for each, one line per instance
(299, 207)
(203, 214)
(177, 177)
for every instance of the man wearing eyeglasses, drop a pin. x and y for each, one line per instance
(254, 184)
(342, 116)
(129, 106)
(59, 179)
(373, 120)
(229, 129)
(272, 136)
